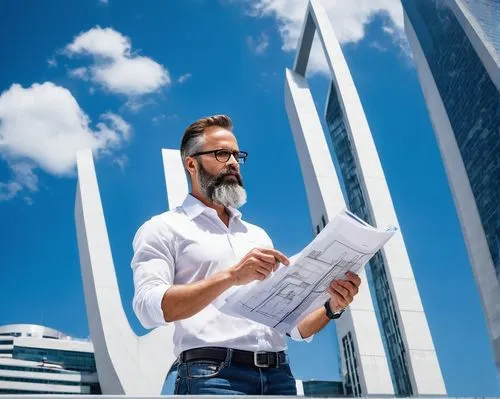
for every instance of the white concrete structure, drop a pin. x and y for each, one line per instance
(175, 177)
(39, 360)
(447, 131)
(358, 331)
(126, 364)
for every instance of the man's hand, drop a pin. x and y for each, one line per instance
(257, 265)
(342, 292)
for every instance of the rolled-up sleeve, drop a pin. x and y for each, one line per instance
(295, 335)
(153, 267)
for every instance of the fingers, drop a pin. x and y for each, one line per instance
(341, 303)
(340, 290)
(354, 278)
(338, 299)
(277, 254)
(349, 286)
(265, 272)
(261, 274)
(265, 257)
(343, 291)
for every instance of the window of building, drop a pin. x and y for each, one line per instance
(352, 382)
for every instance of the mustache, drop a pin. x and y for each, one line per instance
(230, 172)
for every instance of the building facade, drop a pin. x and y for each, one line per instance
(359, 204)
(456, 46)
(39, 360)
(384, 339)
(320, 389)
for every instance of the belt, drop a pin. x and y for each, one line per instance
(257, 359)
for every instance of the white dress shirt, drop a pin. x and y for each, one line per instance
(189, 244)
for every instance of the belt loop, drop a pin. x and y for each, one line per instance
(229, 355)
(278, 360)
(181, 358)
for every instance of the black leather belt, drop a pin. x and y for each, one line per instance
(257, 359)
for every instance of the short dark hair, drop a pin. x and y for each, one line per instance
(192, 140)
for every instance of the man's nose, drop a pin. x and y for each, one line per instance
(233, 161)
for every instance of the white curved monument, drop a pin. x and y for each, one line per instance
(126, 364)
(406, 366)
(410, 367)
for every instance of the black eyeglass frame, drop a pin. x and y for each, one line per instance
(240, 156)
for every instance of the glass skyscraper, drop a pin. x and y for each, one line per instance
(39, 360)
(356, 201)
(456, 44)
(487, 15)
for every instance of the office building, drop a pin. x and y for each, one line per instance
(456, 47)
(39, 360)
(320, 389)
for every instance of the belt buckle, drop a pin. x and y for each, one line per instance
(256, 359)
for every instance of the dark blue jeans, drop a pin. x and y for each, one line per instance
(207, 377)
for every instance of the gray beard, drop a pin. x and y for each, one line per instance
(223, 192)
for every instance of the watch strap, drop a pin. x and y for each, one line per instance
(329, 312)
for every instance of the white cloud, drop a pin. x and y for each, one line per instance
(259, 45)
(9, 190)
(23, 178)
(163, 117)
(348, 18)
(115, 66)
(79, 73)
(106, 43)
(378, 46)
(135, 103)
(132, 76)
(184, 78)
(118, 124)
(52, 62)
(121, 161)
(43, 126)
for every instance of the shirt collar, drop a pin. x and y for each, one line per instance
(194, 207)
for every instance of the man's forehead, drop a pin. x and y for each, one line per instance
(214, 134)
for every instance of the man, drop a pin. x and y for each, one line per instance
(185, 258)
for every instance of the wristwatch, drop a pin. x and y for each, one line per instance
(329, 312)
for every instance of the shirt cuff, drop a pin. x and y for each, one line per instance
(154, 305)
(295, 335)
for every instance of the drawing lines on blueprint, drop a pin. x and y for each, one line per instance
(287, 299)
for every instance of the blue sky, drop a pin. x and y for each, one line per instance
(125, 78)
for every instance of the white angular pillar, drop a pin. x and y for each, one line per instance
(126, 364)
(358, 331)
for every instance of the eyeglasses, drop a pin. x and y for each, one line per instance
(224, 155)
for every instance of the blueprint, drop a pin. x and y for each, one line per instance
(286, 296)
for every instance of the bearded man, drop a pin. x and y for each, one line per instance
(185, 258)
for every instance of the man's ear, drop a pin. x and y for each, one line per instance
(190, 166)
